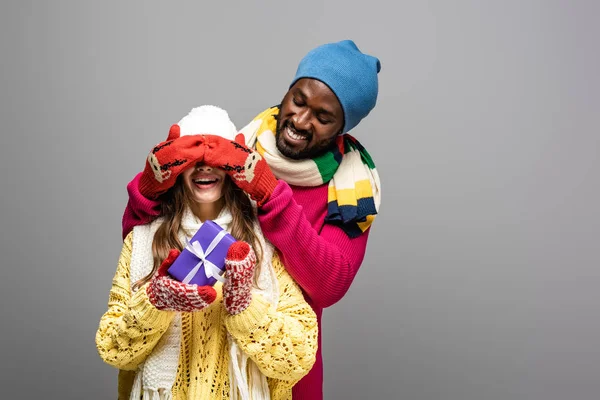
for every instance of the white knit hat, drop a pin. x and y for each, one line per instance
(210, 120)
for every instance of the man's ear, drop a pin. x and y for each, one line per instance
(174, 132)
(241, 139)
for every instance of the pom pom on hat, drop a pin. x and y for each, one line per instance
(210, 120)
(349, 73)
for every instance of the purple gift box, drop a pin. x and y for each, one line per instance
(202, 261)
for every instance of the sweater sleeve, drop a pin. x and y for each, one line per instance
(283, 341)
(140, 210)
(325, 262)
(131, 326)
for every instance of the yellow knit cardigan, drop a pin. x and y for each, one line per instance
(282, 342)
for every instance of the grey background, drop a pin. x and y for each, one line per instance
(481, 276)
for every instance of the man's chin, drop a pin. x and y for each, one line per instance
(288, 151)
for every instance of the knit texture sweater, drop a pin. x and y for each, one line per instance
(282, 342)
(320, 257)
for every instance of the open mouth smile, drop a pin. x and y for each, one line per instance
(205, 182)
(294, 136)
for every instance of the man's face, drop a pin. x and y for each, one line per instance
(310, 118)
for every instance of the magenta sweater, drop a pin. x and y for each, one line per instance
(320, 257)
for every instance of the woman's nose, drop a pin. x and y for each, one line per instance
(203, 167)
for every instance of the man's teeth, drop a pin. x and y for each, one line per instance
(295, 135)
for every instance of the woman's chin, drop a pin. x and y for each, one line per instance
(206, 199)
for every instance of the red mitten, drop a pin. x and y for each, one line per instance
(246, 167)
(239, 264)
(170, 295)
(167, 160)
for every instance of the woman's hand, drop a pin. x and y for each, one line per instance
(168, 294)
(239, 264)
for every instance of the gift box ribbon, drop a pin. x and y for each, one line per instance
(210, 269)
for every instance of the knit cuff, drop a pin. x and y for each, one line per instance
(145, 314)
(277, 201)
(138, 185)
(253, 317)
(267, 182)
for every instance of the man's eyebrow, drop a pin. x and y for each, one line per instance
(323, 111)
(300, 93)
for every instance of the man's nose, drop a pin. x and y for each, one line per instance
(302, 120)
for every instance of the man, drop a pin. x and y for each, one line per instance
(318, 192)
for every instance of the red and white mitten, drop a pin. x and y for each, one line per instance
(167, 160)
(168, 294)
(239, 264)
(248, 170)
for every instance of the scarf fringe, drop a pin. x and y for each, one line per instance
(146, 393)
(161, 394)
(237, 366)
(136, 389)
(259, 387)
(251, 385)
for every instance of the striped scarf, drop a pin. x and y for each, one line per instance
(354, 191)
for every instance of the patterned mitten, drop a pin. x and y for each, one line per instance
(170, 295)
(246, 167)
(167, 160)
(239, 264)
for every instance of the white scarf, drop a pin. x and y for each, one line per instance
(156, 375)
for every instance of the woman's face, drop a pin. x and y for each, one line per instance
(204, 184)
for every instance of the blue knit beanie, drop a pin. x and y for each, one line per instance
(349, 73)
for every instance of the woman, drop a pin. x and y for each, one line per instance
(252, 337)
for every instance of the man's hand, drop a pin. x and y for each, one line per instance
(246, 167)
(167, 160)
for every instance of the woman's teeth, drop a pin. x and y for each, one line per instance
(204, 181)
